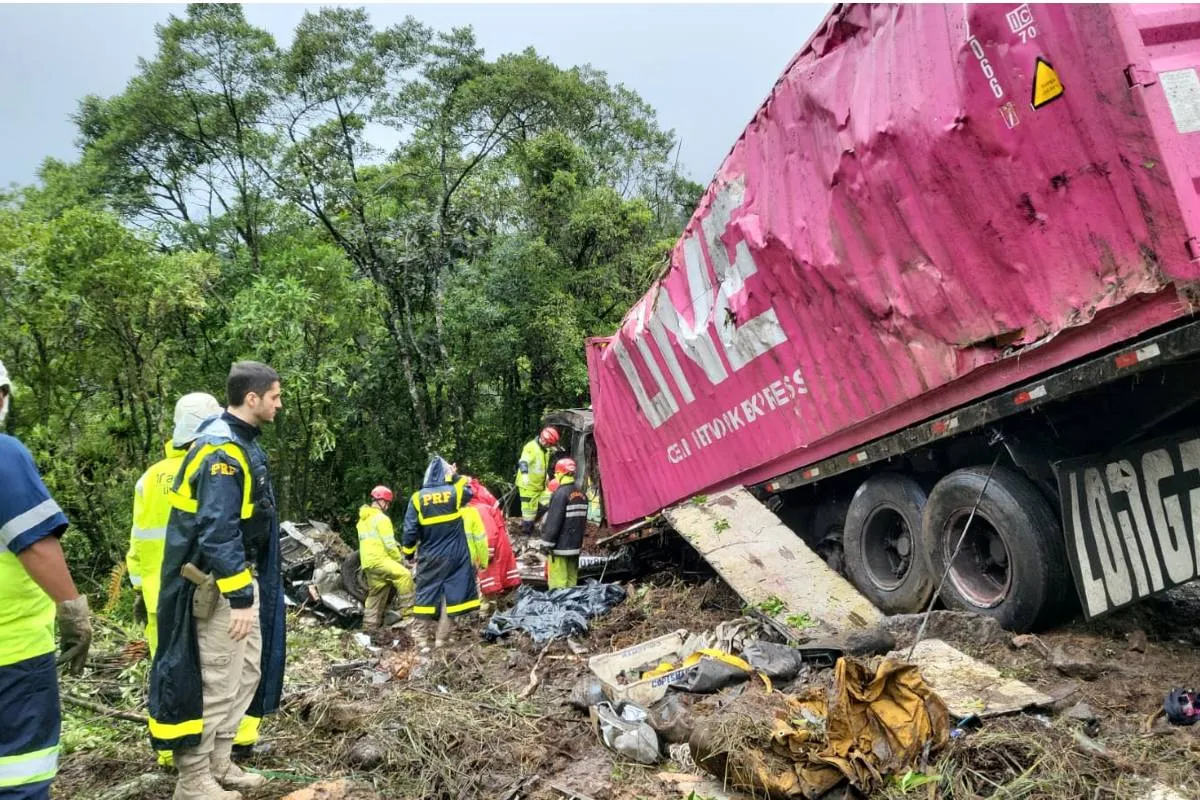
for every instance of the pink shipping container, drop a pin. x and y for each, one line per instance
(934, 204)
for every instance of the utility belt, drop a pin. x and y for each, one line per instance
(207, 594)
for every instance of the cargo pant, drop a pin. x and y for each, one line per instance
(230, 671)
(562, 572)
(381, 580)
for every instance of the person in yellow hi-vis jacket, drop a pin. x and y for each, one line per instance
(531, 475)
(37, 595)
(380, 556)
(152, 509)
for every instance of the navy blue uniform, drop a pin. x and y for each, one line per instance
(223, 520)
(433, 529)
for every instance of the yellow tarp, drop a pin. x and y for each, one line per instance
(866, 728)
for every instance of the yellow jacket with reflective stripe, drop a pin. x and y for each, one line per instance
(376, 537)
(531, 471)
(477, 541)
(26, 510)
(151, 510)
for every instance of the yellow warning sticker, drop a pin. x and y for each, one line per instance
(1046, 84)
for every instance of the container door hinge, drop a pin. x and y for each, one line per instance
(1138, 75)
(1192, 246)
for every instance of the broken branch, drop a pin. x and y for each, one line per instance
(105, 710)
(534, 680)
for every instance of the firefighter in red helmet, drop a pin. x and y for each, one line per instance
(564, 528)
(381, 559)
(531, 475)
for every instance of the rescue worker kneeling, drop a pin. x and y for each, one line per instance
(564, 528)
(220, 609)
(435, 534)
(380, 558)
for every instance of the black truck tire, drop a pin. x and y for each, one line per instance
(353, 580)
(881, 537)
(1012, 565)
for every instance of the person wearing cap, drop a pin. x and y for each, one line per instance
(151, 510)
(36, 591)
(531, 475)
(221, 646)
(380, 556)
(564, 528)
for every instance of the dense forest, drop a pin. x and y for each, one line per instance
(417, 237)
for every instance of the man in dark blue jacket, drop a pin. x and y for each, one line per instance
(433, 530)
(221, 602)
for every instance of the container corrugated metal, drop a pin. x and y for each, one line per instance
(933, 203)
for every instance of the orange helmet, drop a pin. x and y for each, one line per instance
(564, 466)
(382, 493)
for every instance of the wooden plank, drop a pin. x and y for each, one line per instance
(968, 686)
(762, 558)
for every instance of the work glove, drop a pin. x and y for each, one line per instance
(544, 546)
(139, 609)
(75, 633)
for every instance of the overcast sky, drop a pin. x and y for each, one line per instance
(704, 68)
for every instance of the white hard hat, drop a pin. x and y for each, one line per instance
(4, 381)
(190, 411)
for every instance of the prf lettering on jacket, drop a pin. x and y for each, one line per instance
(435, 497)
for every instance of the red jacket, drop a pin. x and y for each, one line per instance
(501, 573)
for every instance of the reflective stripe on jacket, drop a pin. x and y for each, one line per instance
(477, 538)
(531, 470)
(566, 519)
(148, 537)
(223, 520)
(27, 514)
(376, 537)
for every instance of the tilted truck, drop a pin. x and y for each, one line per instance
(952, 259)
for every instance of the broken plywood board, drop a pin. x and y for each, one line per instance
(689, 785)
(969, 686)
(762, 558)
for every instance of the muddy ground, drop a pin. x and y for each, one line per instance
(466, 723)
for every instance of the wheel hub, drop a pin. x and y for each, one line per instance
(887, 548)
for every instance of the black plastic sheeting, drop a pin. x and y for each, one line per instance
(556, 613)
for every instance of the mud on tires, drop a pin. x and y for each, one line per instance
(881, 537)
(1012, 565)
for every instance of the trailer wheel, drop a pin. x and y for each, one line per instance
(881, 538)
(353, 580)
(828, 525)
(1012, 565)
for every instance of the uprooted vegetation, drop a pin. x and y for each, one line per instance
(475, 722)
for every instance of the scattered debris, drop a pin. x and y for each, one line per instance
(1137, 641)
(760, 557)
(947, 626)
(870, 725)
(627, 733)
(365, 754)
(341, 789)
(556, 613)
(969, 686)
(1074, 664)
(1081, 712)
